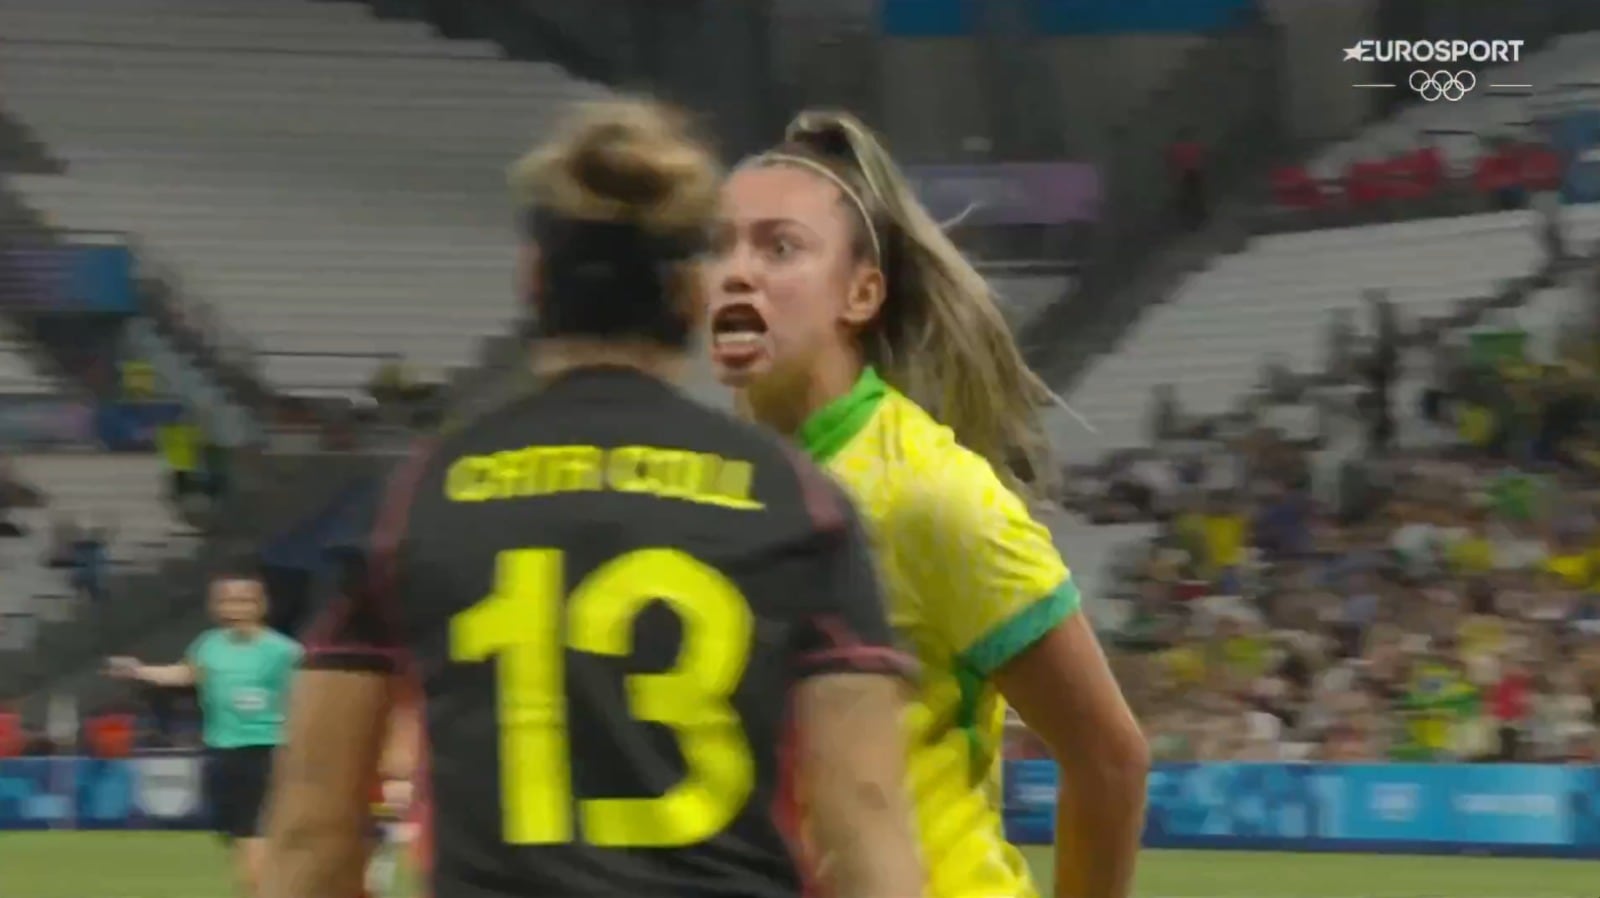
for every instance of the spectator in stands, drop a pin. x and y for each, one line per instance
(390, 381)
(138, 380)
(1341, 345)
(110, 733)
(13, 739)
(1165, 413)
(89, 562)
(180, 442)
(1186, 161)
(1382, 368)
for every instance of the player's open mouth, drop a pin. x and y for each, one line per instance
(738, 334)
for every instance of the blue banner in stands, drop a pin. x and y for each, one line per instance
(90, 276)
(1510, 809)
(131, 426)
(153, 792)
(952, 18)
(51, 422)
(1576, 136)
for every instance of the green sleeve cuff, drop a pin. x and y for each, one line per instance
(1026, 627)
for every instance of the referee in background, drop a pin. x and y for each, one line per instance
(241, 669)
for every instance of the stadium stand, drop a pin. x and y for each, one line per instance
(1276, 299)
(332, 187)
(1273, 583)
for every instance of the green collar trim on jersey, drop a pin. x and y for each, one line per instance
(833, 426)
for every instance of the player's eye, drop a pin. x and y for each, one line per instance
(782, 247)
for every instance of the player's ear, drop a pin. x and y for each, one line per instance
(868, 289)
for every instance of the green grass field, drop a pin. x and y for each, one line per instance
(186, 865)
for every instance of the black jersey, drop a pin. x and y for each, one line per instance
(606, 592)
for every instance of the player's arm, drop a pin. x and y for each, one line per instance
(849, 706)
(183, 673)
(1063, 689)
(1013, 617)
(318, 806)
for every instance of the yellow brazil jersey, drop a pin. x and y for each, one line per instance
(973, 580)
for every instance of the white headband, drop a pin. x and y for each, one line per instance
(814, 166)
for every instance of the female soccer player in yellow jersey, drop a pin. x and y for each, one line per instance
(843, 315)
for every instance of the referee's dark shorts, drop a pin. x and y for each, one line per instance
(236, 786)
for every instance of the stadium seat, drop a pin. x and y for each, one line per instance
(335, 184)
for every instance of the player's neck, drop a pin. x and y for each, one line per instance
(786, 408)
(243, 632)
(553, 358)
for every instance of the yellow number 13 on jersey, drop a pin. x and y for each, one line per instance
(524, 626)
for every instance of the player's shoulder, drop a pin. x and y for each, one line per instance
(940, 479)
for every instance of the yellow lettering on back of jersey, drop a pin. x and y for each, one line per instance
(680, 474)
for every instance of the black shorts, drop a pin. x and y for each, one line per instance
(236, 784)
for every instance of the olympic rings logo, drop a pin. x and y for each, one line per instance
(1448, 86)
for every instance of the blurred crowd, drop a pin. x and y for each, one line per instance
(155, 720)
(1371, 580)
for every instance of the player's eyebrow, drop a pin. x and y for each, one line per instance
(764, 225)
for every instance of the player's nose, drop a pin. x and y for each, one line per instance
(733, 274)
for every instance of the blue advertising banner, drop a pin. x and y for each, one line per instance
(131, 426)
(52, 422)
(952, 18)
(1511, 809)
(1576, 136)
(89, 276)
(153, 792)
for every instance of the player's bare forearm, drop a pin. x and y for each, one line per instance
(1099, 819)
(1063, 689)
(181, 674)
(854, 767)
(317, 813)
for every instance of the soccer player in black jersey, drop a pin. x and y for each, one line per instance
(632, 619)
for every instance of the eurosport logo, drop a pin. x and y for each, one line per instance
(1443, 81)
(1441, 85)
(1444, 51)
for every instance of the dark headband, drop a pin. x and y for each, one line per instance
(609, 240)
(608, 279)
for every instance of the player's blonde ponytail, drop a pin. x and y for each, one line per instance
(941, 338)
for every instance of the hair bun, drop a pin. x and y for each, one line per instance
(834, 135)
(617, 161)
(625, 161)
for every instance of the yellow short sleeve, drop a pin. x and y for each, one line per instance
(991, 580)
